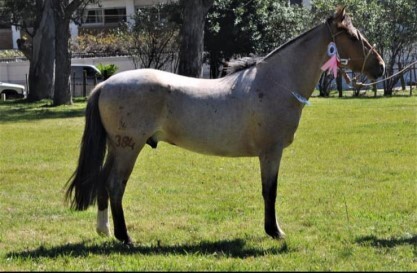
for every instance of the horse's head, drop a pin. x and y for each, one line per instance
(353, 48)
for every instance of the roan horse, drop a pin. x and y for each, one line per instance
(253, 112)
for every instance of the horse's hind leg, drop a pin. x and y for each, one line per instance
(103, 227)
(123, 161)
(270, 162)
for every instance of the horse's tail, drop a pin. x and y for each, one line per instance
(83, 184)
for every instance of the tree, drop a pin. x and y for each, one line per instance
(192, 36)
(397, 27)
(240, 28)
(153, 40)
(49, 44)
(63, 13)
(37, 20)
(325, 84)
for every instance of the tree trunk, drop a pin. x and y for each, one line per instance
(324, 84)
(62, 93)
(41, 68)
(389, 84)
(192, 36)
(400, 67)
(339, 84)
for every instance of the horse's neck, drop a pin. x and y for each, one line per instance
(296, 67)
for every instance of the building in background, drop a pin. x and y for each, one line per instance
(96, 17)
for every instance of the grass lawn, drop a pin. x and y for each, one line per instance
(346, 197)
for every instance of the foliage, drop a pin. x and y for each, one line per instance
(21, 13)
(11, 53)
(284, 22)
(346, 202)
(239, 28)
(103, 42)
(154, 38)
(107, 70)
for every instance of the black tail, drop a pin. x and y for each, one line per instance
(83, 184)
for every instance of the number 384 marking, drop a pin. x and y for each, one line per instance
(125, 142)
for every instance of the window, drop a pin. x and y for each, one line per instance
(93, 16)
(112, 16)
(296, 2)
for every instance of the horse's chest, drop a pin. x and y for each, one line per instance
(277, 127)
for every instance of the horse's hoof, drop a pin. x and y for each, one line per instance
(275, 233)
(103, 232)
(278, 236)
(128, 243)
(124, 239)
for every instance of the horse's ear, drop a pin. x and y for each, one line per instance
(340, 14)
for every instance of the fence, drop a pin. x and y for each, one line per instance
(82, 87)
(17, 71)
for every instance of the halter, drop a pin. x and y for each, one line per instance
(345, 62)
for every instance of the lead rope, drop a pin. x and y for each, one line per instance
(387, 78)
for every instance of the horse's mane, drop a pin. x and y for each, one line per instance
(248, 62)
(240, 64)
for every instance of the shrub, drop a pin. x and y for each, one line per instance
(107, 70)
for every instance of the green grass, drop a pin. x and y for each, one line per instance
(346, 197)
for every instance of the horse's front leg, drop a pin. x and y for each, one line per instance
(269, 173)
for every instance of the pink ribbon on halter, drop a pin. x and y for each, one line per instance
(333, 63)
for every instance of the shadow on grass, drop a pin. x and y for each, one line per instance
(388, 243)
(22, 110)
(225, 248)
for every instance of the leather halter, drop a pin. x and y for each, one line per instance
(345, 62)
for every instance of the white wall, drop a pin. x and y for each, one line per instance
(16, 72)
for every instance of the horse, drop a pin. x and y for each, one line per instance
(253, 112)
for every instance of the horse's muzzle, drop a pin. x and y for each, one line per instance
(378, 71)
(381, 69)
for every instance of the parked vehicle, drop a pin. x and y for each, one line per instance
(93, 76)
(12, 91)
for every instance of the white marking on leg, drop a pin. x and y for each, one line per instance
(103, 227)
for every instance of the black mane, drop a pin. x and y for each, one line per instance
(237, 65)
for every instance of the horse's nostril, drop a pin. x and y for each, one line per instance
(382, 68)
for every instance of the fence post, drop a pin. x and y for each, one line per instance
(413, 71)
(84, 83)
(27, 84)
(73, 84)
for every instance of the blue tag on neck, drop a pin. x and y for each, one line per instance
(301, 98)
